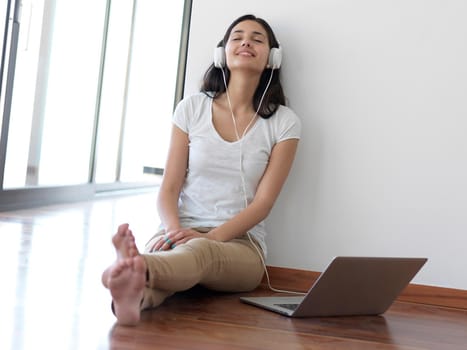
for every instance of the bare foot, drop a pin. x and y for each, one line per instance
(124, 242)
(126, 283)
(125, 247)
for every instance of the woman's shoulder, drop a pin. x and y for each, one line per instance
(191, 110)
(286, 112)
(195, 99)
(285, 115)
(285, 123)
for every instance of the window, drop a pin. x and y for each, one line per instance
(93, 91)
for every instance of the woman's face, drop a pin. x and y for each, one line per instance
(247, 47)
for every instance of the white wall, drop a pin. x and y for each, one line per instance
(381, 88)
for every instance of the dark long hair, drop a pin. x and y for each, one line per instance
(213, 82)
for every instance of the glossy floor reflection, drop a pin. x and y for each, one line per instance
(51, 262)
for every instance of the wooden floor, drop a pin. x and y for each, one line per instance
(52, 298)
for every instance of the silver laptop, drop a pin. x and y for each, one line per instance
(349, 286)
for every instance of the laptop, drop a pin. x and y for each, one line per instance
(349, 286)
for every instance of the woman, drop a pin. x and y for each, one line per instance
(231, 149)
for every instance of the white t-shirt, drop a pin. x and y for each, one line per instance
(213, 191)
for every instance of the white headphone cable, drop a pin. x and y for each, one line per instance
(260, 254)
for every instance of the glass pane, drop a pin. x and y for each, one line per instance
(113, 91)
(54, 94)
(152, 82)
(4, 16)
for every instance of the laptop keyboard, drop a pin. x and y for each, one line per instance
(288, 306)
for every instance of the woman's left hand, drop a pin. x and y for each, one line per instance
(176, 237)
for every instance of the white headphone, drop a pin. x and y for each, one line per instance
(274, 62)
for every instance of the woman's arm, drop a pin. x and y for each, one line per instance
(172, 181)
(280, 163)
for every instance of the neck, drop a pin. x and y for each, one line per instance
(241, 90)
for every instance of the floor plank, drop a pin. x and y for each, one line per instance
(52, 297)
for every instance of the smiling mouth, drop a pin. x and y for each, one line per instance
(245, 53)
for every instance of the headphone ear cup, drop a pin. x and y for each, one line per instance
(219, 57)
(275, 58)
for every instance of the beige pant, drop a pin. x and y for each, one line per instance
(233, 266)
